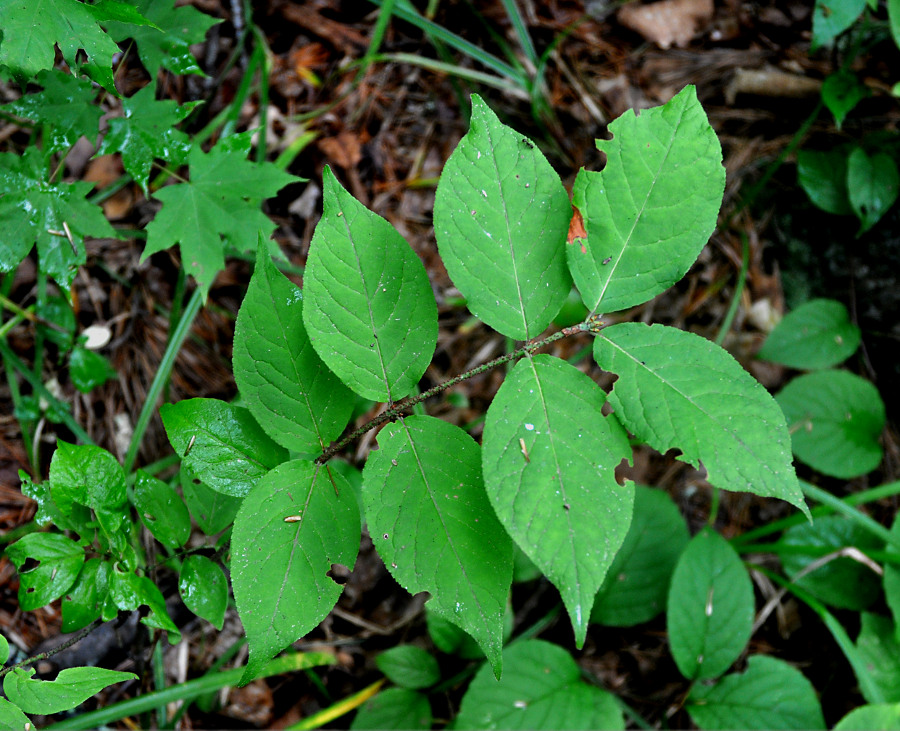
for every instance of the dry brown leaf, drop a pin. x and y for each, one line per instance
(669, 22)
(344, 150)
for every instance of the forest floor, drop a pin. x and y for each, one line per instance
(387, 137)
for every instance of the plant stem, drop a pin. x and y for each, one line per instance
(590, 325)
(50, 653)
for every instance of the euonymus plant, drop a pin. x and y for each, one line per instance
(443, 511)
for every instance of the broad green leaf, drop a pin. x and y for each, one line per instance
(431, 522)
(368, 308)
(214, 511)
(652, 209)
(84, 601)
(146, 132)
(298, 521)
(678, 390)
(4, 650)
(295, 398)
(873, 717)
(168, 46)
(833, 17)
(636, 587)
(842, 582)
(86, 475)
(818, 334)
(541, 688)
(893, 7)
(59, 561)
(409, 667)
(770, 694)
(221, 201)
(549, 458)
(204, 589)
(66, 106)
(89, 369)
(128, 591)
(35, 212)
(394, 708)
(841, 92)
(449, 638)
(221, 444)
(11, 717)
(823, 175)
(161, 510)
(892, 577)
(835, 419)
(501, 216)
(879, 649)
(31, 28)
(72, 687)
(873, 184)
(710, 607)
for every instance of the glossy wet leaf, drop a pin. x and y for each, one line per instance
(409, 666)
(214, 511)
(836, 419)
(204, 589)
(541, 688)
(710, 607)
(161, 510)
(59, 561)
(501, 216)
(651, 209)
(394, 708)
(71, 688)
(147, 132)
(280, 569)
(368, 305)
(128, 592)
(841, 92)
(873, 183)
(84, 601)
(219, 204)
(295, 398)
(770, 694)
(431, 522)
(88, 369)
(637, 584)
(549, 457)
(677, 390)
(221, 444)
(818, 334)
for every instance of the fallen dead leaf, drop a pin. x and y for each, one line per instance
(669, 22)
(344, 150)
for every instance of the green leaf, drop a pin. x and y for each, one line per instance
(879, 649)
(873, 184)
(84, 602)
(842, 582)
(678, 390)
(168, 44)
(432, 524)
(60, 559)
(220, 201)
(369, 308)
(4, 650)
(204, 589)
(394, 708)
(880, 717)
(892, 577)
(501, 216)
(449, 638)
(88, 369)
(652, 209)
(72, 687)
(835, 419)
(409, 667)
(33, 27)
(298, 521)
(818, 334)
(128, 591)
(770, 694)
(146, 132)
(66, 105)
(636, 587)
(549, 458)
(221, 444)
(833, 17)
(34, 211)
(541, 688)
(893, 8)
(841, 92)
(710, 607)
(161, 510)
(11, 717)
(214, 511)
(295, 398)
(823, 175)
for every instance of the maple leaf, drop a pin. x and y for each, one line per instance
(55, 216)
(146, 132)
(221, 201)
